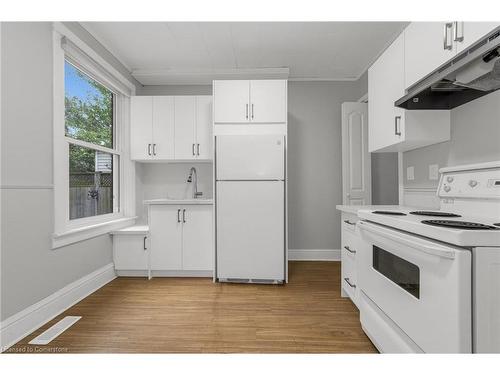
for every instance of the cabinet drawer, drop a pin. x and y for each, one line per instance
(349, 222)
(349, 244)
(349, 277)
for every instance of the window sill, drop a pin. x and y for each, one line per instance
(90, 231)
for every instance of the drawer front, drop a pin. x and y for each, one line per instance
(349, 277)
(349, 222)
(349, 244)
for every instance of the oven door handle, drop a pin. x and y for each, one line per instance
(431, 250)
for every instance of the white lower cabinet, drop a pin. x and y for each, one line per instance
(181, 237)
(349, 283)
(131, 249)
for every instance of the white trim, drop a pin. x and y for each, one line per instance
(166, 273)
(27, 187)
(92, 146)
(314, 254)
(401, 186)
(25, 322)
(64, 31)
(90, 231)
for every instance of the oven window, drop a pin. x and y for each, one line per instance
(398, 270)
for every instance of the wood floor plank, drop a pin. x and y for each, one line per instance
(194, 315)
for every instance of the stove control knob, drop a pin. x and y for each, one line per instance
(472, 183)
(449, 178)
(447, 188)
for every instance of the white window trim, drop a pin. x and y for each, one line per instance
(70, 231)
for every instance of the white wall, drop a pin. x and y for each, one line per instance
(30, 269)
(475, 138)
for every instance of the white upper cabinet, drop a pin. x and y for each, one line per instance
(232, 101)
(163, 127)
(390, 128)
(141, 128)
(466, 33)
(428, 45)
(171, 128)
(255, 101)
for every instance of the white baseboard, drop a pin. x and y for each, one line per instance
(314, 254)
(23, 323)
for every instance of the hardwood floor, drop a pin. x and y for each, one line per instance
(189, 315)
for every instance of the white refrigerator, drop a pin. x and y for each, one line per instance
(250, 208)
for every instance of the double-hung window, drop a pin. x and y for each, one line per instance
(91, 166)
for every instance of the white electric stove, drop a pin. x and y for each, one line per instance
(430, 280)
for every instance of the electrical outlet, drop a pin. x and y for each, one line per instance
(410, 173)
(433, 171)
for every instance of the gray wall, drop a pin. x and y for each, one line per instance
(315, 161)
(475, 138)
(30, 269)
(385, 178)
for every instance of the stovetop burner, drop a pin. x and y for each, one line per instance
(395, 213)
(458, 224)
(434, 213)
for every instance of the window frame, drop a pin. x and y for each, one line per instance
(68, 231)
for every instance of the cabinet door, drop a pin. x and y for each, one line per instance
(165, 226)
(141, 123)
(385, 86)
(466, 33)
(268, 101)
(163, 127)
(232, 101)
(185, 125)
(204, 127)
(425, 48)
(130, 252)
(197, 241)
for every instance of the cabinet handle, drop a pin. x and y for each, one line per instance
(349, 282)
(397, 125)
(192, 149)
(149, 149)
(246, 111)
(456, 37)
(144, 243)
(184, 215)
(348, 222)
(447, 26)
(154, 149)
(349, 250)
(179, 215)
(252, 111)
(198, 149)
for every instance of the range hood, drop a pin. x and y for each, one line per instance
(470, 75)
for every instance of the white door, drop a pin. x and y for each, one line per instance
(250, 230)
(141, 124)
(469, 32)
(163, 127)
(385, 86)
(130, 252)
(185, 125)
(197, 240)
(427, 46)
(204, 127)
(356, 161)
(231, 101)
(165, 225)
(268, 101)
(250, 157)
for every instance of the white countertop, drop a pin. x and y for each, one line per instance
(354, 209)
(135, 229)
(179, 201)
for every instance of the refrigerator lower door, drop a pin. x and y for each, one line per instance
(250, 230)
(250, 157)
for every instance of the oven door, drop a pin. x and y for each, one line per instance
(423, 286)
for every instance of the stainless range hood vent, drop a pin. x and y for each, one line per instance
(472, 74)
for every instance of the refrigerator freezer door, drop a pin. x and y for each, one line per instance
(250, 157)
(250, 230)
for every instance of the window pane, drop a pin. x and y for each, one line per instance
(88, 108)
(92, 190)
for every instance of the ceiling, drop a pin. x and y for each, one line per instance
(197, 52)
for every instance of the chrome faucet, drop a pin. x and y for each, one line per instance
(193, 178)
